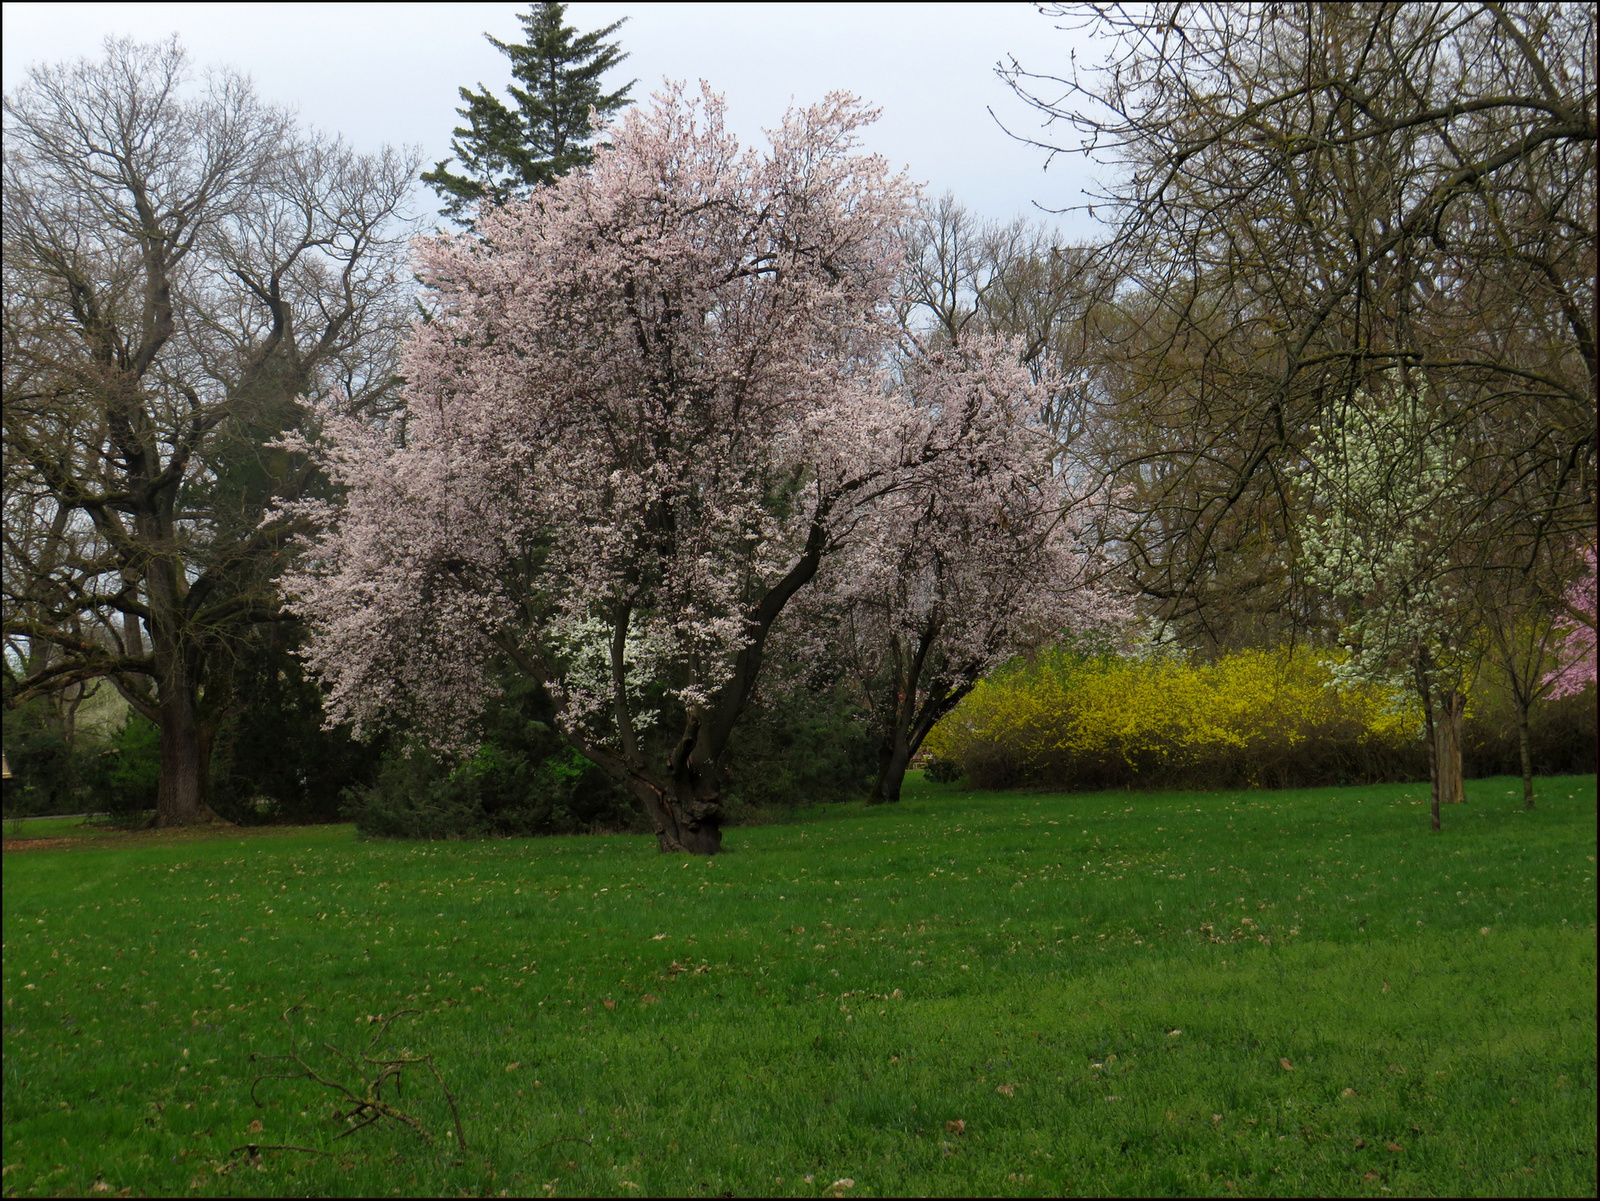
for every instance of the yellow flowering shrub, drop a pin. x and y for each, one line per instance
(1270, 718)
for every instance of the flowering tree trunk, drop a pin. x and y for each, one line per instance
(680, 790)
(985, 553)
(921, 696)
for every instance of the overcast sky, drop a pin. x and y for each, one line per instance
(389, 72)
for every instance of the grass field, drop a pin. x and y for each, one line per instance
(1224, 994)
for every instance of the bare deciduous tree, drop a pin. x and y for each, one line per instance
(1309, 197)
(182, 265)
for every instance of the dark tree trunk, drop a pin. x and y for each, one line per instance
(185, 748)
(684, 802)
(691, 823)
(885, 755)
(1527, 755)
(1426, 692)
(894, 757)
(181, 793)
(1452, 705)
(911, 725)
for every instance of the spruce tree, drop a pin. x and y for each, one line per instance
(505, 151)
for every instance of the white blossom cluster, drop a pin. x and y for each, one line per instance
(1388, 496)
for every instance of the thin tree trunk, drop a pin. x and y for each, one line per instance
(1527, 755)
(911, 730)
(1426, 691)
(1452, 705)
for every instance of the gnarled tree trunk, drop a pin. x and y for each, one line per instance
(684, 818)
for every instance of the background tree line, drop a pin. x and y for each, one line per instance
(1314, 207)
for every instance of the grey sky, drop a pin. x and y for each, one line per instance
(389, 73)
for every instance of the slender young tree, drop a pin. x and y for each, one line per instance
(1523, 620)
(507, 150)
(1385, 545)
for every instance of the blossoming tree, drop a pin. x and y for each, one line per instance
(1577, 647)
(651, 403)
(984, 555)
(1382, 546)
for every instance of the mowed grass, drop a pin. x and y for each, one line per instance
(1223, 993)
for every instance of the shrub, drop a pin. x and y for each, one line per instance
(1267, 718)
(522, 780)
(1252, 718)
(798, 746)
(132, 769)
(497, 792)
(47, 774)
(801, 745)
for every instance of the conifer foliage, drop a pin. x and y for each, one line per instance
(506, 151)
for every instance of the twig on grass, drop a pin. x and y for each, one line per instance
(255, 1149)
(366, 1102)
(565, 1139)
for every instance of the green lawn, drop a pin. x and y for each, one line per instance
(1212, 993)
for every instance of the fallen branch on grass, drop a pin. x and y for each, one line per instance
(366, 1101)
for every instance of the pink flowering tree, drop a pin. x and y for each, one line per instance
(1577, 648)
(985, 554)
(649, 405)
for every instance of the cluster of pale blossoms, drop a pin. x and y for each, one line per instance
(652, 402)
(1577, 647)
(1378, 547)
(988, 550)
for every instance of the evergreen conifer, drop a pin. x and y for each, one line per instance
(505, 151)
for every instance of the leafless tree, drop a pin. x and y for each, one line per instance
(1306, 197)
(183, 264)
(1018, 280)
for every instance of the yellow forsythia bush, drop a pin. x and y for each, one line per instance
(1267, 718)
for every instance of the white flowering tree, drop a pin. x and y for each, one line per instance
(1381, 544)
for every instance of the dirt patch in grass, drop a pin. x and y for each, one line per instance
(100, 837)
(39, 844)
